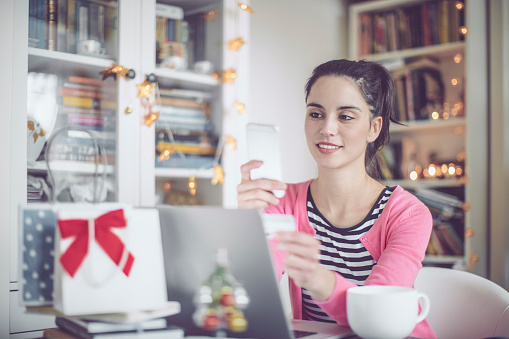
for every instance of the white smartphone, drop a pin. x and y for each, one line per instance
(263, 144)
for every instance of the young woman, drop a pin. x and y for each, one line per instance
(352, 229)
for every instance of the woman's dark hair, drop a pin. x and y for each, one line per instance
(379, 91)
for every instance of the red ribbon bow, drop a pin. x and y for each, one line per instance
(72, 258)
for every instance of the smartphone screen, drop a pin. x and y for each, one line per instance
(263, 144)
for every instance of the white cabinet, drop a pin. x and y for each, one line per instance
(452, 136)
(128, 34)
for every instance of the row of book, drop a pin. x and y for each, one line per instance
(420, 90)
(58, 25)
(424, 24)
(83, 328)
(86, 103)
(185, 130)
(179, 36)
(446, 207)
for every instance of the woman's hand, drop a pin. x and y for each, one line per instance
(256, 194)
(303, 266)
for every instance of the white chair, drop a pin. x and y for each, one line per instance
(464, 305)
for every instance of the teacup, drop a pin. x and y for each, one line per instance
(90, 47)
(385, 312)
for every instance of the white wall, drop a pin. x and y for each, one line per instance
(288, 39)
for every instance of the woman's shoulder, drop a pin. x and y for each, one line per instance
(403, 199)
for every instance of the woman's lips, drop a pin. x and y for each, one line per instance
(327, 148)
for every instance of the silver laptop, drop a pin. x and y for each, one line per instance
(191, 236)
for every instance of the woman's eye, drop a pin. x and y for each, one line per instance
(345, 117)
(315, 115)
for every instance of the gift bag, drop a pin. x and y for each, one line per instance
(91, 258)
(108, 261)
(37, 227)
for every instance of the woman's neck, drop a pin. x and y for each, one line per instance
(344, 197)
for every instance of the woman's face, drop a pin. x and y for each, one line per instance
(338, 123)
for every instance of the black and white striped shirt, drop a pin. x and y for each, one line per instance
(341, 250)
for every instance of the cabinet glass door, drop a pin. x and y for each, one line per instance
(71, 107)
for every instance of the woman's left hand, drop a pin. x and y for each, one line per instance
(303, 266)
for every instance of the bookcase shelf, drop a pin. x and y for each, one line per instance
(436, 51)
(427, 183)
(427, 125)
(456, 137)
(183, 173)
(186, 78)
(39, 57)
(69, 166)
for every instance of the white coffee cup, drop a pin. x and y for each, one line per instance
(385, 312)
(90, 47)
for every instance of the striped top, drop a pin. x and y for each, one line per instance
(341, 250)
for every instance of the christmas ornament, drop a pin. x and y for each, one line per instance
(220, 300)
(236, 44)
(218, 175)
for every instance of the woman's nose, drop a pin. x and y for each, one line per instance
(329, 127)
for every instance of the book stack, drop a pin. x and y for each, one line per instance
(172, 32)
(80, 328)
(424, 24)
(57, 25)
(448, 218)
(420, 90)
(86, 103)
(184, 127)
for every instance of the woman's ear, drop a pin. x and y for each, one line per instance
(375, 128)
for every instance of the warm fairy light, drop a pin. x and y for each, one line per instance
(432, 170)
(192, 185)
(425, 173)
(444, 168)
(218, 177)
(435, 115)
(151, 118)
(452, 169)
(438, 171)
(167, 186)
(459, 5)
(454, 81)
(231, 141)
(469, 232)
(413, 175)
(461, 156)
(240, 107)
(457, 58)
(245, 7)
(236, 44)
(463, 30)
(445, 116)
(474, 259)
(459, 171)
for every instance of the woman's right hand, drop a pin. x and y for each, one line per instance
(256, 194)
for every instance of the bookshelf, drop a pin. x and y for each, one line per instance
(400, 35)
(128, 38)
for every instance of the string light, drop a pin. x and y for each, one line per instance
(191, 184)
(454, 81)
(463, 30)
(240, 107)
(459, 5)
(236, 44)
(245, 7)
(457, 58)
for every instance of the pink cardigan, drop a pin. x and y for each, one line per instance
(397, 242)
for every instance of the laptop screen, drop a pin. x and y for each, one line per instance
(191, 237)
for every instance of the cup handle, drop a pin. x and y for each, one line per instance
(425, 304)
